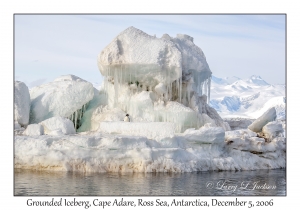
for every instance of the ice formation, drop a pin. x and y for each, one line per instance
(272, 129)
(58, 125)
(21, 103)
(212, 135)
(34, 130)
(259, 123)
(158, 79)
(66, 96)
(101, 152)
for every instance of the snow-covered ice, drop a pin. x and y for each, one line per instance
(272, 129)
(121, 153)
(58, 125)
(151, 130)
(63, 97)
(210, 135)
(34, 130)
(22, 103)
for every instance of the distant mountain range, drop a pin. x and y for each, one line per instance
(235, 97)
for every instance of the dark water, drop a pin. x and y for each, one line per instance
(260, 182)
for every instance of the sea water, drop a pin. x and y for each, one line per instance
(231, 183)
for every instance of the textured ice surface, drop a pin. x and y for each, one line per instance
(238, 123)
(58, 125)
(61, 98)
(272, 129)
(151, 130)
(212, 135)
(34, 130)
(22, 103)
(122, 153)
(259, 123)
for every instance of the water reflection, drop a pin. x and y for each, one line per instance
(193, 184)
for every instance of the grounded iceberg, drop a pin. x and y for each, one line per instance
(164, 86)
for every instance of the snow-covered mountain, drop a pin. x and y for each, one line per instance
(235, 97)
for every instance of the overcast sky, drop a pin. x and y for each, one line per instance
(47, 46)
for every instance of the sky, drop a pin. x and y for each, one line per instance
(47, 46)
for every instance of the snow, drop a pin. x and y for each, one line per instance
(151, 130)
(62, 97)
(21, 103)
(58, 125)
(246, 98)
(34, 130)
(260, 122)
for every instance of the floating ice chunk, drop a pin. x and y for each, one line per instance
(34, 130)
(213, 135)
(58, 123)
(59, 98)
(259, 123)
(272, 129)
(22, 103)
(151, 130)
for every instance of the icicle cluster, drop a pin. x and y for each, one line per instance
(122, 88)
(77, 116)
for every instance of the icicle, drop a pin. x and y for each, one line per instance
(75, 119)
